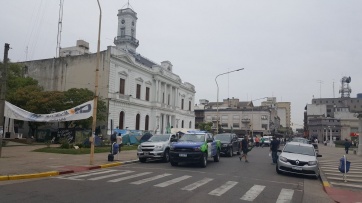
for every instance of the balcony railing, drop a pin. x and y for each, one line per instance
(126, 38)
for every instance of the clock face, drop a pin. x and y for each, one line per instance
(122, 21)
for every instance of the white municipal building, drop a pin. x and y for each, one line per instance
(140, 93)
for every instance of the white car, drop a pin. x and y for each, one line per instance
(298, 158)
(157, 147)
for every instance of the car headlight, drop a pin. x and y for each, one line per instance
(172, 148)
(283, 159)
(197, 149)
(312, 163)
(139, 148)
(158, 147)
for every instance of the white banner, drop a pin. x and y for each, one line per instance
(79, 112)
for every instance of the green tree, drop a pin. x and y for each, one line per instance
(205, 126)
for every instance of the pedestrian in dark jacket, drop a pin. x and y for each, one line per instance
(274, 146)
(347, 145)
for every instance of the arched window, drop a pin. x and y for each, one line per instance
(146, 122)
(190, 124)
(182, 124)
(121, 120)
(138, 122)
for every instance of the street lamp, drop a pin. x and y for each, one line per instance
(217, 99)
(92, 138)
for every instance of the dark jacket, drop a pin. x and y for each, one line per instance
(274, 145)
(347, 144)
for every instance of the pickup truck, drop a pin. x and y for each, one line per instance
(195, 147)
(157, 147)
(229, 143)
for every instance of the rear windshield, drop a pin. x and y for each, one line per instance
(298, 149)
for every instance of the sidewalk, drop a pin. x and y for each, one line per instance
(335, 187)
(19, 162)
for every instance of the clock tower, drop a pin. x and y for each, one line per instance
(126, 33)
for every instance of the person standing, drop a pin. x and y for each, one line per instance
(257, 141)
(244, 148)
(347, 145)
(274, 145)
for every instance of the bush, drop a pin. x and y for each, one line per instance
(339, 142)
(64, 144)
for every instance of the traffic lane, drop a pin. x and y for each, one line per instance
(85, 190)
(258, 168)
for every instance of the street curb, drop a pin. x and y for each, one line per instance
(56, 173)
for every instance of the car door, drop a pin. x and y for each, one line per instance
(211, 146)
(234, 143)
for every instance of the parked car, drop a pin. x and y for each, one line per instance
(229, 143)
(195, 147)
(298, 158)
(306, 141)
(156, 147)
(267, 140)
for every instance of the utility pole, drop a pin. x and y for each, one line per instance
(3, 92)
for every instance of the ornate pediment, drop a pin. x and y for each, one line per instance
(139, 79)
(124, 73)
(148, 82)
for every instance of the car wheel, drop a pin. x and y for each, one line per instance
(277, 169)
(203, 161)
(166, 156)
(217, 156)
(142, 160)
(231, 152)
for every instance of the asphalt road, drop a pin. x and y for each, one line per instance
(226, 181)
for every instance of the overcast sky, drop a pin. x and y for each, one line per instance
(291, 50)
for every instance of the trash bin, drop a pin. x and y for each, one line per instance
(341, 165)
(7, 135)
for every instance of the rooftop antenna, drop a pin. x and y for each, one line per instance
(60, 22)
(128, 5)
(320, 88)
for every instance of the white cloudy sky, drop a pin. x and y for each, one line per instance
(286, 47)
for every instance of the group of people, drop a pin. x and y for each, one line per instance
(274, 146)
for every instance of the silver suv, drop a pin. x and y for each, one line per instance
(157, 147)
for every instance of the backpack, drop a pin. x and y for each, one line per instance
(114, 137)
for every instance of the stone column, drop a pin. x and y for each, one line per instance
(156, 92)
(359, 150)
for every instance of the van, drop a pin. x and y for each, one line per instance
(267, 140)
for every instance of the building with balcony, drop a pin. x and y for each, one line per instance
(140, 94)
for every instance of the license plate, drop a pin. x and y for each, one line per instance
(297, 168)
(146, 153)
(182, 155)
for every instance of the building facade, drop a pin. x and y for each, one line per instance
(140, 93)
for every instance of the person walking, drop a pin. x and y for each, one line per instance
(244, 148)
(274, 145)
(347, 145)
(262, 141)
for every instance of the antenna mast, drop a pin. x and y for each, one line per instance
(60, 22)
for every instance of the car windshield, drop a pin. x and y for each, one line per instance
(298, 149)
(223, 137)
(301, 140)
(159, 138)
(193, 138)
(266, 139)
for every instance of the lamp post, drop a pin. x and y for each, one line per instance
(217, 99)
(92, 138)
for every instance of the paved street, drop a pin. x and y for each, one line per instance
(229, 180)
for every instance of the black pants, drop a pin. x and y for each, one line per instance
(346, 148)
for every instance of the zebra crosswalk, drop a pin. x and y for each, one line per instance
(329, 167)
(163, 180)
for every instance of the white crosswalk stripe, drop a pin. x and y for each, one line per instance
(197, 184)
(252, 193)
(111, 175)
(129, 177)
(173, 181)
(150, 179)
(224, 188)
(285, 196)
